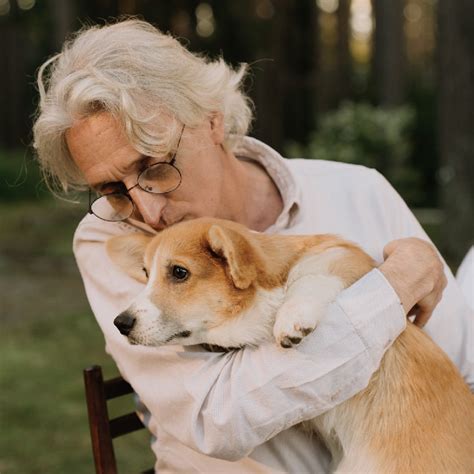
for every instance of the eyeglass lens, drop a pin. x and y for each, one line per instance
(113, 207)
(157, 179)
(160, 178)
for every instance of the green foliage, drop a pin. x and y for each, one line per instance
(370, 136)
(20, 177)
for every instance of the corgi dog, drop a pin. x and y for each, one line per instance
(210, 281)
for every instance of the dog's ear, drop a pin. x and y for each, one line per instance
(238, 253)
(128, 251)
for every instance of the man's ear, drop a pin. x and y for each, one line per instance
(128, 251)
(238, 253)
(216, 121)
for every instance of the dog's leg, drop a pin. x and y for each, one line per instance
(310, 289)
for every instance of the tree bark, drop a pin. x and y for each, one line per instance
(63, 15)
(13, 126)
(389, 58)
(290, 88)
(344, 60)
(456, 122)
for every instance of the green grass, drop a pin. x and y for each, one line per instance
(20, 177)
(43, 412)
(48, 336)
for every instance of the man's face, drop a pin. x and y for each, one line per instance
(100, 149)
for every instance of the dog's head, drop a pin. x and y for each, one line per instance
(200, 276)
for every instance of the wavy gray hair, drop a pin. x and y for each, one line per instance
(135, 72)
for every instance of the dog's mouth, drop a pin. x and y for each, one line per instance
(141, 342)
(178, 334)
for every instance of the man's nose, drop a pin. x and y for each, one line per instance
(149, 205)
(124, 322)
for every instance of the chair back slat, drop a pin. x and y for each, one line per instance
(102, 448)
(125, 424)
(116, 387)
(103, 429)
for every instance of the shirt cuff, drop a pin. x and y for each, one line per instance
(376, 312)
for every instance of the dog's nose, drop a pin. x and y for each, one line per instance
(124, 322)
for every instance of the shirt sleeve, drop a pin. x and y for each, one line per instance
(451, 325)
(226, 404)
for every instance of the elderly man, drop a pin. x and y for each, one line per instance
(157, 135)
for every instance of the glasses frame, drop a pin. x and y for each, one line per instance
(127, 191)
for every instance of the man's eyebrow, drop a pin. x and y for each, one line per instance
(98, 186)
(130, 167)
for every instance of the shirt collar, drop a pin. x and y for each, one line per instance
(277, 168)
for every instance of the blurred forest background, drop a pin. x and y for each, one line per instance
(384, 83)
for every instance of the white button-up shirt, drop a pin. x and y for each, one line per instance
(236, 412)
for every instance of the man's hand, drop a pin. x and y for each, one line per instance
(415, 271)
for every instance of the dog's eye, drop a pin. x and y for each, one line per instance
(145, 271)
(180, 273)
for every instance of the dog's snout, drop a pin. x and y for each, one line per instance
(124, 322)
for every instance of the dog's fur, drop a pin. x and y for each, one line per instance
(243, 288)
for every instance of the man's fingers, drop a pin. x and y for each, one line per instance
(444, 282)
(422, 317)
(424, 309)
(415, 271)
(389, 248)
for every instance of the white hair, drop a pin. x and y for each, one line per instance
(136, 73)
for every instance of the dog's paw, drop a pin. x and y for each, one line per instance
(293, 336)
(292, 325)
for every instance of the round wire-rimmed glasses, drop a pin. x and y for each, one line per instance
(159, 178)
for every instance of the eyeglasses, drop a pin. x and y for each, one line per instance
(160, 178)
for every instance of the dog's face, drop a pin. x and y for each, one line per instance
(199, 276)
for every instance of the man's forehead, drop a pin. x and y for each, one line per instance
(99, 147)
(97, 125)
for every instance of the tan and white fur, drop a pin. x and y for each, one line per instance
(215, 282)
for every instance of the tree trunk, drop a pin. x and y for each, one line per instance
(344, 61)
(290, 89)
(389, 58)
(456, 122)
(63, 15)
(13, 127)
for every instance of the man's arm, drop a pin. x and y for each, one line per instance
(225, 405)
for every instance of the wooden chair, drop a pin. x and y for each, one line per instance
(104, 430)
